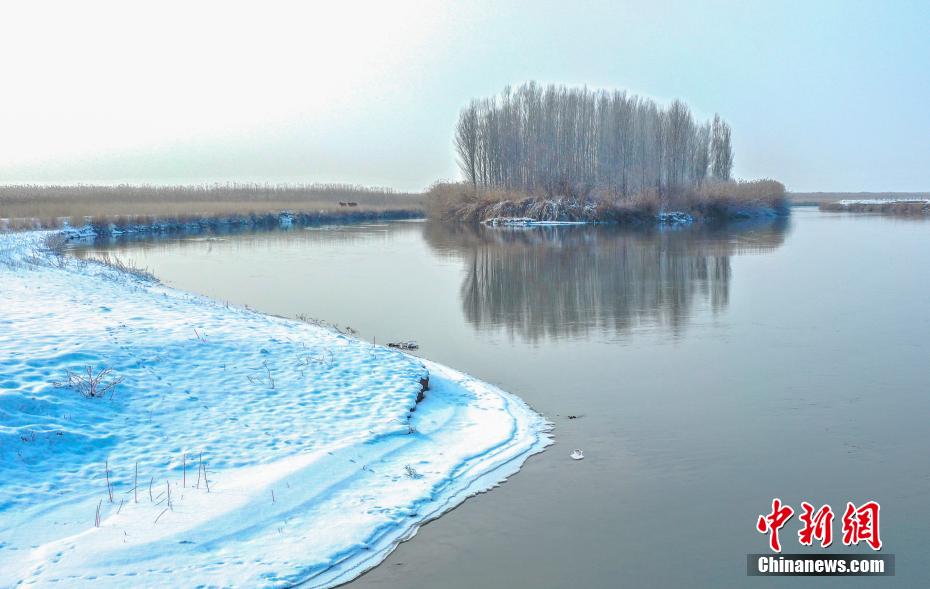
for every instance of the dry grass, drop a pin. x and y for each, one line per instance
(905, 208)
(126, 267)
(33, 206)
(722, 197)
(450, 201)
(823, 198)
(55, 243)
(92, 385)
(459, 201)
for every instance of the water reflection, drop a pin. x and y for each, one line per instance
(553, 282)
(548, 282)
(664, 427)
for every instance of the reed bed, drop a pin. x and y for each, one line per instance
(712, 199)
(906, 208)
(819, 198)
(52, 206)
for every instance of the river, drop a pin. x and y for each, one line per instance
(702, 372)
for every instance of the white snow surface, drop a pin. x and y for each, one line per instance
(319, 458)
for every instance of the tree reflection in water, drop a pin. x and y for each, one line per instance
(556, 282)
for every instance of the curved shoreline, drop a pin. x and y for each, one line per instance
(464, 437)
(494, 470)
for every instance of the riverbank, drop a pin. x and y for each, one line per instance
(815, 199)
(128, 208)
(624, 329)
(713, 201)
(231, 223)
(208, 444)
(891, 206)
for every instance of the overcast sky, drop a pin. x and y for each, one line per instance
(821, 95)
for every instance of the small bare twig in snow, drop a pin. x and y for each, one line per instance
(109, 488)
(205, 479)
(268, 370)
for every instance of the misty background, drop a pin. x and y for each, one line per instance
(827, 96)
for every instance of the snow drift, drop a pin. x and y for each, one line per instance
(237, 449)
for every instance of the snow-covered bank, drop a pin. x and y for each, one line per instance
(212, 223)
(662, 219)
(880, 201)
(318, 456)
(528, 222)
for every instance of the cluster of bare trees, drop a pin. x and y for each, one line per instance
(573, 140)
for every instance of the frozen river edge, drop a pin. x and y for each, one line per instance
(322, 452)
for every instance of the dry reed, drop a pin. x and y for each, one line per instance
(36, 206)
(462, 202)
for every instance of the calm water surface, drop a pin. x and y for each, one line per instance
(709, 371)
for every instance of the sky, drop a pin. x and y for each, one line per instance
(822, 95)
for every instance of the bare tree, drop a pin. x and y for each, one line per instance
(564, 140)
(466, 142)
(721, 149)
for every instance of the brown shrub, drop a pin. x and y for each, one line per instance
(906, 208)
(717, 197)
(451, 201)
(460, 201)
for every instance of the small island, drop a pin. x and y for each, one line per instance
(545, 154)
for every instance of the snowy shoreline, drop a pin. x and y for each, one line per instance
(900, 206)
(673, 218)
(319, 457)
(206, 223)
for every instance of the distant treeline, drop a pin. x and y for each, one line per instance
(570, 141)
